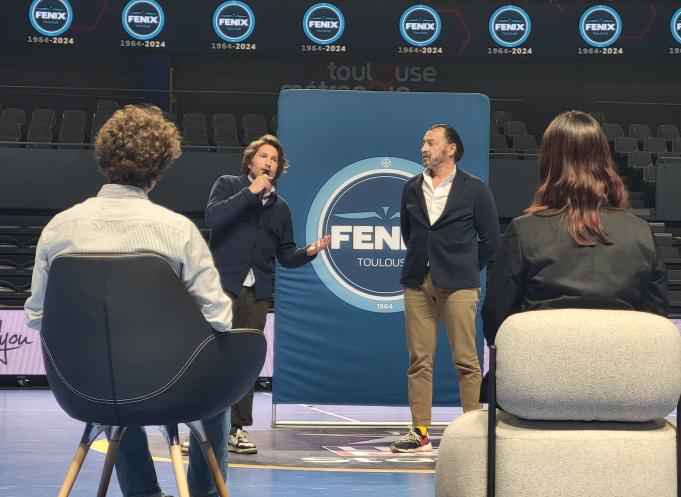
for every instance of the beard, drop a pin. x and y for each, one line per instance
(432, 160)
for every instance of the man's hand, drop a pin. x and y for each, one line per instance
(261, 185)
(318, 246)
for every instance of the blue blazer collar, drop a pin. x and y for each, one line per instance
(458, 186)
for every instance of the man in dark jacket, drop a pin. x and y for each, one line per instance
(451, 230)
(250, 224)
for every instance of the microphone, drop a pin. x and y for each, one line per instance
(262, 194)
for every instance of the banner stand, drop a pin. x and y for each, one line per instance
(339, 324)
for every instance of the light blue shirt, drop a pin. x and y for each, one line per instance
(122, 220)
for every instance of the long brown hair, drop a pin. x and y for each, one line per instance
(577, 177)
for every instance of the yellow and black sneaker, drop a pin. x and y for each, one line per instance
(414, 441)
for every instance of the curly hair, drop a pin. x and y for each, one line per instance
(252, 149)
(136, 145)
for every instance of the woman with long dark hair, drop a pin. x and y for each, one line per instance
(577, 245)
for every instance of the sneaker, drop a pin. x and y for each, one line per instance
(412, 442)
(184, 447)
(239, 443)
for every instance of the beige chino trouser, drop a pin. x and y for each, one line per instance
(424, 307)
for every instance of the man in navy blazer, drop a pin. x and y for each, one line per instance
(250, 225)
(451, 229)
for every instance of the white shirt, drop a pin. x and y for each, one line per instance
(249, 281)
(122, 220)
(436, 198)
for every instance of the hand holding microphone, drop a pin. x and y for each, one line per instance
(261, 185)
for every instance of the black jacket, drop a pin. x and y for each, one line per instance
(539, 267)
(459, 244)
(246, 234)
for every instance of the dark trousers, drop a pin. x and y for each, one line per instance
(135, 468)
(247, 313)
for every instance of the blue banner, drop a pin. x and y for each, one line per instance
(339, 323)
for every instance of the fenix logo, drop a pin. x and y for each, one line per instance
(600, 26)
(420, 26)
(52, 16)
(359, 207)
(233, 22)
(323, 24)
(140, 19)
(510, 27)
(367, 237)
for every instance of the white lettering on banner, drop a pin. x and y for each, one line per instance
(233, 22)
(516, 26)
(323, 24)
(678, 26)
(425, 26)
(377, 262)
(596, 26)
(58, 16)
(367, 237)
(393, 239)
(143, 19)
(362, 237)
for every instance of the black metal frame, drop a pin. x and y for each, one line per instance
(491, 421)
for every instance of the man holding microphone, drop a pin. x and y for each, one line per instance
(250, 224)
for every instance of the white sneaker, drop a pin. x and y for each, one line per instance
(239, 443)
(184, 447)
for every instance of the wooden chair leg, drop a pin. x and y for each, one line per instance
(74, 469)
(92, 431)
(172, 436)
(209, 455)
(111, 453)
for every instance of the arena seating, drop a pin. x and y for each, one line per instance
(637, 154)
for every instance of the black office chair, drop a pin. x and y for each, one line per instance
(125, 344)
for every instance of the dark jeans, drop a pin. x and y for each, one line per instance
(135, 469)
(248, 313)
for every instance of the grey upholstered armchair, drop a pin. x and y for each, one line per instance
(582, 396)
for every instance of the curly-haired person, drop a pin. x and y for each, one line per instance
(133, 149)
